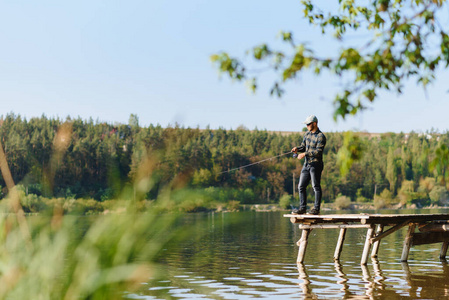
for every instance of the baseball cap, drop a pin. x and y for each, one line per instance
(310, 119)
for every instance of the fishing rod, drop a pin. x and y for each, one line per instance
(255, 163)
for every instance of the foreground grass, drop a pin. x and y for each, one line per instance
(57, 256)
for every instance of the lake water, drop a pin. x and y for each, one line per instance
(247, 255)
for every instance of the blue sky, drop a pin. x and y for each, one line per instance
(108, 59)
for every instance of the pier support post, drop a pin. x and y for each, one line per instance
(408, 242)
(302, 243)
(444, 250)
(341, 239)
(366, 248)
(376, 244)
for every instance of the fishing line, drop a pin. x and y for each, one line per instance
(255, 163)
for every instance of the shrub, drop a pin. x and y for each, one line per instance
(285, 201)
(86, 206)
(387, 196)
(246, 196)
(114, 205)
(407, 194)
(35, 188)
(342, 202)
(406, 191)
(106, 194)
(382, 200)
(192, 205)
(33, 204)
(202, 177)
(438, 195)
(426, 185)
(360, 198)
(186, 201)
(379, 202)
(233, 205)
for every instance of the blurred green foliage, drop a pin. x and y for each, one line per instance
(59, 256)
(68, 257)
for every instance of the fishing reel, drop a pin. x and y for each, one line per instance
(295, 155)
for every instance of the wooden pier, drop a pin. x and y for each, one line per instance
(434, 228)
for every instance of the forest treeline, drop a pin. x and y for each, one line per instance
(77, 158)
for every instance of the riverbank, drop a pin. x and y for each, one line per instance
(331, 206)
(182, 203)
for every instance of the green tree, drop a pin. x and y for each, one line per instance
(98, 160)
(133, 120)
(440, 164)
(391, 173)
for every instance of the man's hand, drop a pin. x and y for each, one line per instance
(301, 155)
(295, 149)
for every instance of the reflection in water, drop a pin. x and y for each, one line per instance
(304, 282)
(379, 277)
(371, 284)
(342, 279)
(422, 284)
(428, 283)
(252, 255)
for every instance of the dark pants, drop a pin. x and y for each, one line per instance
(310, 172)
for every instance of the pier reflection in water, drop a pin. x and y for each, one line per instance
(253, 255)
(422, 282)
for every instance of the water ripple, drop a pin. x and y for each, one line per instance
(258, 261)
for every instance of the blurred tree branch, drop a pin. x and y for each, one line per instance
(405, 40)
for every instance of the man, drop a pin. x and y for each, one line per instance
(311, 149)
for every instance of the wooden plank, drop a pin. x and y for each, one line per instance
(444, 250)
(324, 218)
(376, 244)
(302, 243)
(332, 226)
(434, 227)
(334, 216)
(293, 219)
(420, 217)
(399, 218)
(366, 248)
(339, 247)
(373, 216)
(408, 242)
(389, 231)
(424, 238)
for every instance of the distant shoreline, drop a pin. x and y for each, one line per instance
(353, 207)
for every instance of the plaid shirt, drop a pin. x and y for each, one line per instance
(313, 145)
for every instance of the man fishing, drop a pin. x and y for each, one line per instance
(311, 149)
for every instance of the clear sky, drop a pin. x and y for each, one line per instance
(107, 59)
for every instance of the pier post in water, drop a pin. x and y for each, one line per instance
(341, 239)
(444, 250)
(380, 229)
(302, 243)
(408, 242)
(366, 248)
